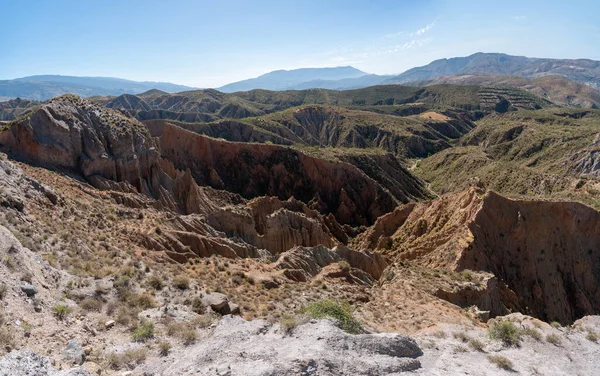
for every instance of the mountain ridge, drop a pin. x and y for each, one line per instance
(286, 79)
(580, 70)
(43, 87)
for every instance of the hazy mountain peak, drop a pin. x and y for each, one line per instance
(42, 87)
(288, 79)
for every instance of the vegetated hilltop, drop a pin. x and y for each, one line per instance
(44, 87)
(556, 89)
(131, 239)
(580, 70)
(541, 154)
(208, 105)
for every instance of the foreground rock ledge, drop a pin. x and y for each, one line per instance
(253, 348)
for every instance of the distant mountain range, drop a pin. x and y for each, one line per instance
(49, 86)
(580, 70)
(494, 67)
(489, 64)
(298, 79)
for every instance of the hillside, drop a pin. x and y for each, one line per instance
(16, 108)
(580, 70)
(208, 105)
(544, 154)
(156, 231)
(556, 89)
(44, 87)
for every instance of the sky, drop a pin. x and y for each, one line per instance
(209, 43)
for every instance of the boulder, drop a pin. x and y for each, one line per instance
(26, 362)
(74, 353)
(234, 309)
(216, 301)
(29, 289)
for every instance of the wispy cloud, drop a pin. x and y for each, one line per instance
(383, 47)
(518, 18)
(413, 43)
(410, 34)
(423, 30)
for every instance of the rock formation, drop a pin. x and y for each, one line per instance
(303, 263)
(256, 169)
(238, 347)
(26, 362)
(545, 252)
(107, 149)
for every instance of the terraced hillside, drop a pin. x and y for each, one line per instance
(556, 89)
(544, 153)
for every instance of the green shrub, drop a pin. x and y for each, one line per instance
(467, 275)
(127, 316)
(506, 332)
(186, 332)
(501, 362)
(181, 282)
(62, 311)
(592, 336)
(164, 348)
(476, 344)
(553, 339)
(130, 358)
(7, 339)
(91, 304)
(155, 282)
(340, 312)
(462, 336)
(142, 301)
(287, 323)
(3, 290)
(344, 266)
(533, 333)
(555, 324)
(197, 305)
(189, 336)
(143, 333)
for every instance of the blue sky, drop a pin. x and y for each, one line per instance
(211, 43)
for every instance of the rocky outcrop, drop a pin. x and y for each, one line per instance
(16, 188)
(253, 348)
(254, 170)
(109, 150)
(275, 230)
(545, 252)
(587, 161)
(191, 237)
(303, 263)
(25, 362)
(262, 227)
(15, 108)
(430, 232)
(230, 130)
(388, 171)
